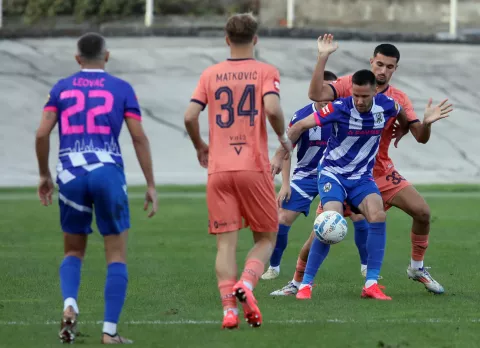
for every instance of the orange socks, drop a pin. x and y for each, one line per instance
(419, 246)
(252, 272)
(299, 270)
(226, 293)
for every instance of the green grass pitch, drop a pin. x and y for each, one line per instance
(173, 300)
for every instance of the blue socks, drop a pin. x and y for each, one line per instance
(361, 234)
(376, 241)
(115, 291)
(280, 246)
(70, 271)
(318, 253)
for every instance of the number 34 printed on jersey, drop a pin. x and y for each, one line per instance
(248, 97)
(79, 107)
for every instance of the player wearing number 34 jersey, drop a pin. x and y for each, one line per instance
(240, 93)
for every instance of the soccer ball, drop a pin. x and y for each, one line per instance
(330, 227)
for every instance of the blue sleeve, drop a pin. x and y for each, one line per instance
(132, 108)
(392, 108)
(53, 98)
(328, 114)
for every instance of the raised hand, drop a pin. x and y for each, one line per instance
(326, 45)
(433, 114)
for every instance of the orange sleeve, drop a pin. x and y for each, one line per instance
(341, 87)
(200, 94)
(406, 104)
(271, 82)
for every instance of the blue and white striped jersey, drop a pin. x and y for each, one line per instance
(91, 106)
(355, 137)
(310, 146)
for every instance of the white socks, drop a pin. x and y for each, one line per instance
(416, 264)
(370, 282)
(110, 328)
(248, 285)
(70, 302)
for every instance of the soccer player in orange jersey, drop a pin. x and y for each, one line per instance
(395, 189)
(240, 93)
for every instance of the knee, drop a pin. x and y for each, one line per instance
(286, 217)
(378, 216)
(422, 214)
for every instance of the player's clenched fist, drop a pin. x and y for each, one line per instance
(326, 45)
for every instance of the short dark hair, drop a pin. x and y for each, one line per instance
(91, 46)
(241, 28)
(329, 76)
(388, 50)
(363, 78)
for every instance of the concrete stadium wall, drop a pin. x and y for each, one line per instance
(374, 13)
(165, 71)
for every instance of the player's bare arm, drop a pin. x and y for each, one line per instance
(193, 129)
(285, 191)
(42, 147)
(142, 149)
(298, 128)
(274, 112)
(317, 92)
(422, 130)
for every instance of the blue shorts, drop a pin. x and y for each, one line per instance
(304, 192)
(105, 189)
(332, 187)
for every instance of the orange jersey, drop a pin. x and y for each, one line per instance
(343, 88)
(234, 91)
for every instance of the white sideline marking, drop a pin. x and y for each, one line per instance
(294, 322)
(137, 195)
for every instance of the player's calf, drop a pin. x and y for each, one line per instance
(286, 219)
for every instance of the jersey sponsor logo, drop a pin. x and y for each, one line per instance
(326, 110)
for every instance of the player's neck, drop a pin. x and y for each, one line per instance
(241, 52)
(381, 88)
(93, 66)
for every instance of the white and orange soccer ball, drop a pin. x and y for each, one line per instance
(330, 227)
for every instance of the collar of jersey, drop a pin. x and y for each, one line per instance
(93, 70)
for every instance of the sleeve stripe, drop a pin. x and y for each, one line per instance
(199, 102)
(272, 92)
(335, 95)
(317, 118)
(414, 121)
(50, 108)
(134, 116)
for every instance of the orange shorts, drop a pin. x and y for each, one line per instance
(234, 195)
(389, 184)
(346, 209)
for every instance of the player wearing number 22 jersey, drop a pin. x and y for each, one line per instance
(240, 93)
(90, 108)
(89, 139)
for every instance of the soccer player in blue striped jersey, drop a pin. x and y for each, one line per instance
(295, 196)
(90, 107)
(345, 170)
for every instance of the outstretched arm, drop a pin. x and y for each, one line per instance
(317, 91)
(422, 130)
